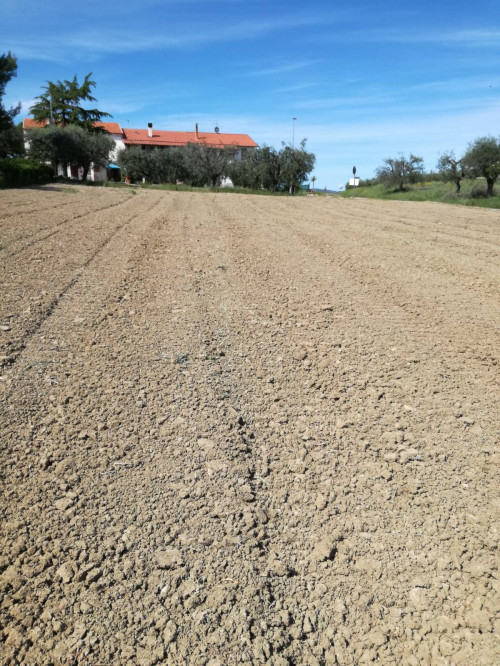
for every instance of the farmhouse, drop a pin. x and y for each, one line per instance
(151, 139)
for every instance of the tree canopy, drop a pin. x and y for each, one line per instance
(11, 140)
(206, 165)
(398, 171)
(62, 103)
(156, 166)
(451, 169)
(482, 158)
(274, 170)
(70, 145)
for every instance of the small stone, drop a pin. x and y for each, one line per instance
(478, 620)
(45, 461)
(324, 550)
(5, 328)
(93, 575)
(376, 638)
(278, 568)
(321, 502)
(63, 503)
(300, 354)
(407, 455)
(169, 559)
(79, 320)
(79, 631)
(66, 572)
(247, 493)
(307, 626)
(214, 466)
(170, 632)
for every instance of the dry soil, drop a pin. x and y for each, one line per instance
(247, 430)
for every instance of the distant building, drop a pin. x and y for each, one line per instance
(151, 139)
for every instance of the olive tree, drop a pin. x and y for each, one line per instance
(482, 158)
(399, 171)
(70, 145)
(165, 165)
(451, 169)
(273, 170)
(206, 165)
(297, 165)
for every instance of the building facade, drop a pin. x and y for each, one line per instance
(148, 139)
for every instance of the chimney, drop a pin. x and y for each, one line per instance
(196, 131)
(150, 130)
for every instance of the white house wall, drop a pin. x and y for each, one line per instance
(119, 145)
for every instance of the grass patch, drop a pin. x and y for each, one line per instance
(171, 187)
(219, 190)
(473, 193)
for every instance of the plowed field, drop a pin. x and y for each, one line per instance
(247, 430)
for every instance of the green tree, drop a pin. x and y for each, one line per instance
(11, 138)
(258, 169)
(206, 165)
(156, 166)
(297, 164)
(270, 167)
(70, 146)
(482, 158)
(11, 142)
(273, 170)
(62, 103)
(398, 171)
(451, 169)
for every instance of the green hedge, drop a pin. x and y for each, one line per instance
(19, 172)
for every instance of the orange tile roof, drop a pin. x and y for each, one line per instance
(167, 138)
(112, 128)
(140, 137)
(31, 123)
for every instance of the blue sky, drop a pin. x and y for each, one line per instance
(365, 80)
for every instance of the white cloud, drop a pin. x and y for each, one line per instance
(283, 68)
(95, 42)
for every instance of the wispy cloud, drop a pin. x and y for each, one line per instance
(458, 84)
(473, 38)
(283, 68)
(295, 88)
(99, 41)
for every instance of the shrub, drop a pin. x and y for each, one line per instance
(19, 172)
(478, 192)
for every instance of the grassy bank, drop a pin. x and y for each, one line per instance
(435, 191)
(180, 188)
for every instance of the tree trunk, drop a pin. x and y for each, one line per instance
(457, 183)
(85, 172)
(489, 190)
